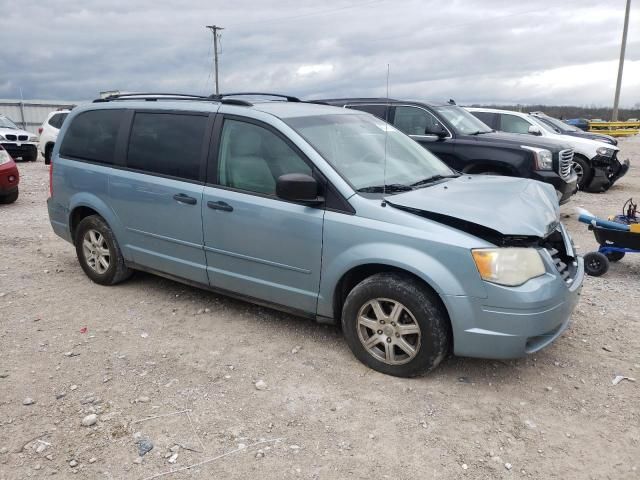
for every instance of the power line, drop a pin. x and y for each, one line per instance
(214, 29)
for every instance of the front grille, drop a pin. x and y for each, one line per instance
(11, 137)
(23, 138)
(566, 161)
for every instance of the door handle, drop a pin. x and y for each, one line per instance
(224, 206)
(182, 198)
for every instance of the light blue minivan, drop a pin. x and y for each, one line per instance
(325, 212)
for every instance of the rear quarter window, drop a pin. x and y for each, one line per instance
(57, 120)
(92, 136)
(167, 144)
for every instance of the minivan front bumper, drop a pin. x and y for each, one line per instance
(514, 321)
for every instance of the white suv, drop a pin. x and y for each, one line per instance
(49, 133)
(595, 162)
(17, 142)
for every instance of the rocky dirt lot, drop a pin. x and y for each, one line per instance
(113, 358)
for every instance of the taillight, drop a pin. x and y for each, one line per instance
(40, 131)
(51, 179)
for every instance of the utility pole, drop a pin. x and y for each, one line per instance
(214, 29)
(616, 100)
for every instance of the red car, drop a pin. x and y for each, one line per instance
(9, 178)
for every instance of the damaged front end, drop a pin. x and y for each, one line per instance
(606, 171)
(556, 243)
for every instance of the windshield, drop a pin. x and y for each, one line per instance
(355, 146)
(463, 121)
(6, 123)
(559, 124)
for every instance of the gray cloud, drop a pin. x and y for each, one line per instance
(474, 51)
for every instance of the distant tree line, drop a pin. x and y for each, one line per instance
(570, 111)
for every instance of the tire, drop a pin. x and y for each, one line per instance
(596, 264)
(614, 256)
(94, 235)
(420, 311)
(583, 170)
(47, 154)
(9, 198)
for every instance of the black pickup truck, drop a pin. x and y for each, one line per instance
(468, 145)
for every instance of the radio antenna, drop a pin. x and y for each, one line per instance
(386, 134)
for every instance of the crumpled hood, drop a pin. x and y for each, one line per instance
(508, 205)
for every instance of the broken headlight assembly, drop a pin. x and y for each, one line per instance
(605, 152)
(511, 266)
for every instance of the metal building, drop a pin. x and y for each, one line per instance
(29, 114)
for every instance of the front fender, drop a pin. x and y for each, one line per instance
(445, 279)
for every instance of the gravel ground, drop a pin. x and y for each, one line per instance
(242, 374)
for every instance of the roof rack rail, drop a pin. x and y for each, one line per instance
(221, 96)
(151, 97)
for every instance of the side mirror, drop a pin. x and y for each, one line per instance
(437, 130)
(535, 130)
(298, 187)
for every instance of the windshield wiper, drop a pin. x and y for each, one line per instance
(392, 187)
(434, 178)
(480, 132)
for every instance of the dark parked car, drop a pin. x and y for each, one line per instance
(566, 129)
(581, 123)
(466, 144)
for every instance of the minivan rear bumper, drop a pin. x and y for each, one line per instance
(536, 314)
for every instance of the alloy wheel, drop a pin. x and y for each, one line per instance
(388, 331)
(96, 251)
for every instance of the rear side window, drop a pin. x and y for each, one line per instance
(92, 136)
(377, 110)
(57, 120)
(167, 144)
(488, 118)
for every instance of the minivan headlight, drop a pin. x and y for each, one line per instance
(605, 152)
(543, 157)
(509, 266)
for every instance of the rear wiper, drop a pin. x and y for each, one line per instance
(435, 178)
(392, 187)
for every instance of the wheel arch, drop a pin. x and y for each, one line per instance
(86, 204)
(358, 273)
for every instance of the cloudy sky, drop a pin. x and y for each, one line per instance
(490, 51)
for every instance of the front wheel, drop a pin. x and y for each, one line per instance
(583, 171)
(9, 198)
(596, 264)
(98, 252)
(395, 325)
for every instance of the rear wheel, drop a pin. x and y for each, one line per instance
(583, 171)
(596, 264)
(9, 198)
(98, 252)
(395, 325)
